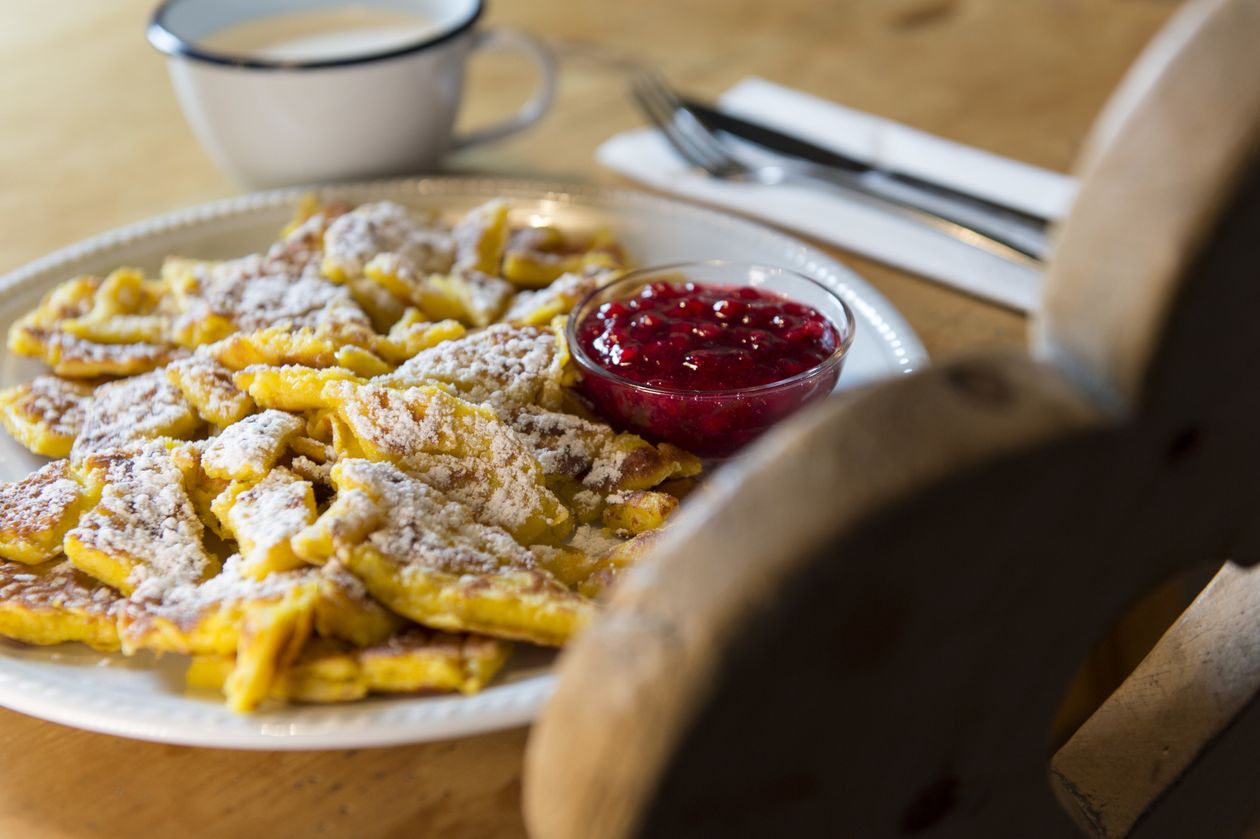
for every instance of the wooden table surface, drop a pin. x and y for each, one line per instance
(91, 138)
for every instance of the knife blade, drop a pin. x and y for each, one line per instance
(777, 141)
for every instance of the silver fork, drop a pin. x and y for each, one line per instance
(700, 147)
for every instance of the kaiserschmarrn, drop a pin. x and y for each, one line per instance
(352, 464)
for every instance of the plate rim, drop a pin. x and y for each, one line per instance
(890, 326)
(513, 704)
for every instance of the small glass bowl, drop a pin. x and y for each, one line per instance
(711, 423)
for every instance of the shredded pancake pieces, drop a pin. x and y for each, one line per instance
(349, 465)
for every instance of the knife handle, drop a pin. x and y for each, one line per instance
(930, 189)
(1026, 246)
(921, 192)
(1029, 235)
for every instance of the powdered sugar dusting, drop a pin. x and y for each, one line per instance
(57, 404)
(217, 395)
(57, 585)
(242, 292)
(484, 296)
(74, 356)
(247, 449)
(316, 473)
(471, 230)
(129, 411)
(300, 251)
(38, 501)
(145, 519)
(456, 448)
(608, 470)
(270, 514)
(357, 513)
(505, 367)
(564, 444)
(556, 299)
(593, 541)
(346, 584)
(464, 439)
(385, 227)
(185, 603)
(424, 527)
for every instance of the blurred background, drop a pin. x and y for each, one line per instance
(1019, 78)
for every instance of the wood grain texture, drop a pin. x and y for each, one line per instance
(92, 138)
(884, 653)
(887, 657)
(1204, 674)
(467, 787)
(1164, 162)
(721, 640)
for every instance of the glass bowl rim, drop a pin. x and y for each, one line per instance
(848, 331)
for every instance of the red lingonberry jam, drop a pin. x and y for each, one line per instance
(699, 347)
(689, 336)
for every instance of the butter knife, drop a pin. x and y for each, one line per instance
(781, 143)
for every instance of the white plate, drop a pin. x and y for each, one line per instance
(146, 699)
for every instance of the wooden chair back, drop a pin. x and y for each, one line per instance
(866, 626)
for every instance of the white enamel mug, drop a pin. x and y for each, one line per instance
(377, 102)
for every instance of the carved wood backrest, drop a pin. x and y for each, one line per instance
(865, 627)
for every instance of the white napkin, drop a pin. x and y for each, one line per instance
(644, 155)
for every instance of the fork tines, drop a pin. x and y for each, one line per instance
(686, 134)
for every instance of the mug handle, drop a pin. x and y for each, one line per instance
(531, 111)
